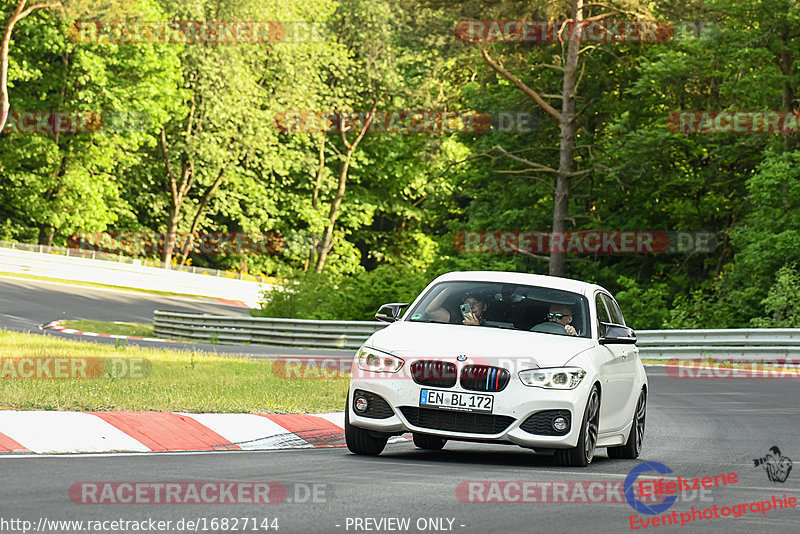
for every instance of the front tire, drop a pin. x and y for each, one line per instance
(632, 447)
(359, 440)
(427, 442)
(582, 454)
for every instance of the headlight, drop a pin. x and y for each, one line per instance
(378, 362)
(559, 378)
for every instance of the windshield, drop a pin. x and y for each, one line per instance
(499, 305)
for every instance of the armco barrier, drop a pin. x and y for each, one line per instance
(128, 275)
(731, 344)
(263, 330)
(736, 344)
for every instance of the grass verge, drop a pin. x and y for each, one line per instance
(177, 381)
(115, 328)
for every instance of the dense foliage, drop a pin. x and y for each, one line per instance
(372, 219)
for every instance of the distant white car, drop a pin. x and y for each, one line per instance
(490, 357)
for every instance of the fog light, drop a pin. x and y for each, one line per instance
(560, 423)
(361, 404)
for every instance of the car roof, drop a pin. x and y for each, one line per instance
(555, 282)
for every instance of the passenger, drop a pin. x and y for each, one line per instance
(437, 312)
(478, 307)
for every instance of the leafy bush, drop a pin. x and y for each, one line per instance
(782, 305)
(644, 308)
(337, 297)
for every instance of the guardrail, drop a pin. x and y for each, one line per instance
(736, 344)
(128, 275)
(731, 344)
(263, 330)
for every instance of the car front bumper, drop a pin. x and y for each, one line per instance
(516, 402)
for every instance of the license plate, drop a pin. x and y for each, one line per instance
(454, 400)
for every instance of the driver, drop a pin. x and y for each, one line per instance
(560, 314)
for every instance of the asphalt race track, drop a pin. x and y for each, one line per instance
(695, 427)
(25, 304)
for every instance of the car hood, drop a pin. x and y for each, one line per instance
(479, 344)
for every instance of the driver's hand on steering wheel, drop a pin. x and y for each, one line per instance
(570, 330)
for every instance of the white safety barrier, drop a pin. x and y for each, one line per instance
(132, 276)
(735, 344)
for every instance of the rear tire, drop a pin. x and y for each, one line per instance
(582, 454)
(359, 440)
(632, 447)
(427, 442)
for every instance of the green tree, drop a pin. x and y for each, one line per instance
(55, 184)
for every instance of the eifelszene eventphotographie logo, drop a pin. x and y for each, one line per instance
(630, 484)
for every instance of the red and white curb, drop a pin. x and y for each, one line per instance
(236, 303)
(56, 325)
(44, 432)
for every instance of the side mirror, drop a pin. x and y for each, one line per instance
(389, 313)
(617, 334)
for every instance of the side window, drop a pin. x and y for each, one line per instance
(602, 314)
(613, 309)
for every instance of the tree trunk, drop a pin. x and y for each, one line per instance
(178, 189)
(566, 119)
(327, 240)
(19, 14)
(200, 209)
(315, 203)
(172, 229)
(785, 62)
(46, 234)
(566, 152)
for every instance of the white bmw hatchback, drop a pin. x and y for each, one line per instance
(542, 362)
